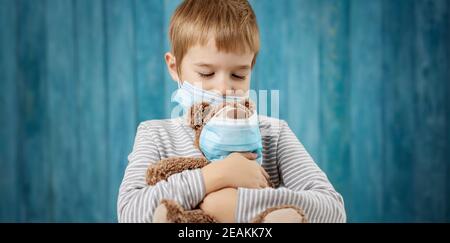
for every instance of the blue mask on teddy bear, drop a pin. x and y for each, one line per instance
(226, 132)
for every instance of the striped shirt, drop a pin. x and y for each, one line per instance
(298, 179)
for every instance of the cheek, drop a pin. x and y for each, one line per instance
(242, 85)
(186, 75)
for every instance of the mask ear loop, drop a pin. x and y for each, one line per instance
(222, 114)
(218, 114)
(180, 83)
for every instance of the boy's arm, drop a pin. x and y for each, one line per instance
(305, 186)
(221, 205)
(137, 201)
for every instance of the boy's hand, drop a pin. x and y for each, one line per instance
(221, 205)
(236, 170)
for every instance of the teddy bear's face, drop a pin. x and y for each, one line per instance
(199, 114)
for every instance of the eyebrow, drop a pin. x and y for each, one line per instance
(240, 67)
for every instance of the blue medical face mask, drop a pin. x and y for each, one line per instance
(188, 95)
(222, 136)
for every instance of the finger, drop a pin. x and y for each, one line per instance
(264, 184)
(261, 186)
(265, 173)
(250, 156)
(266, 178)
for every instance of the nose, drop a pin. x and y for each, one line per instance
(224, 86)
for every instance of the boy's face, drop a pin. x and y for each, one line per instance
(209, 69)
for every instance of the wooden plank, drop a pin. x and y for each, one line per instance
(366, 112)
(399, 111)
(33, 159)
(447, 192)
(267, 75)
(122, 109)
(149, 59)
(8, 114)
(169, 85)
(335, 93)
(431, 103)
(92, 116)
(63, 110)
(302, 68)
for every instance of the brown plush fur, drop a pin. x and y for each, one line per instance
(198, 115)
(162, 170)
(176, 214)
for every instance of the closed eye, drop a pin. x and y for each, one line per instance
(206, 75)
(238, 77)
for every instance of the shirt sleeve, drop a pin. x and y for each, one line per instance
(137, 200)
(304, 185)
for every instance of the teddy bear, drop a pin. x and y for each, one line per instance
(170, 211)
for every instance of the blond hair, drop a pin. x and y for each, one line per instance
(231, 22)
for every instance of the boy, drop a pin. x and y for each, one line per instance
(214, 47)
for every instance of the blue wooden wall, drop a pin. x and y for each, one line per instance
(365, 85)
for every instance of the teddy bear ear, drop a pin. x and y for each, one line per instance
(249, 104)
(197, 114)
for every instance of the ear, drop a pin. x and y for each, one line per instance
(197, 117)
(171, 63)
(249, 104)
(250, 107)
(198, 114)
